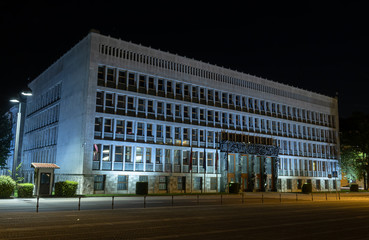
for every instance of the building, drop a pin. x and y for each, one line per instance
(111, 113)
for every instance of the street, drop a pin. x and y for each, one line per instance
(190, 219)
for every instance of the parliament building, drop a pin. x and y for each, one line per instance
(110, 113)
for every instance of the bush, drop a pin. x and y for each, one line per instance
(7, 185)
(307, 188)
(66, 189)
(25, 190)
(234, 187)
(354, 187)
(142, 188)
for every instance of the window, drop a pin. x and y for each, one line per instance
(140, 129)
(128, 154)
(161, 85)
(143, 178)
(129, 128)
(169, 109)
(167, 156)
(177, 156)
(150, 107)
(131, 80)
(194, 113)
(121, 102)
(289, 184)
(98, 124)
(139, 153)
(142, 81)
(169, 87)
(159, 156)
(118, 153)
(99, 182)
(148, 155)
(122, 182)
(210, 159)
(197, 183)
(106, 153)
(162, 183)
(181, 183)
(160, 108)
(141, 105)
(130, 103)
(151, 83)
(194, 135)
(122, 76)
(159, 131)
(110, 76)
(119, 127)
(178, 111)
(149, 130)
(213, 183)
(109, 100)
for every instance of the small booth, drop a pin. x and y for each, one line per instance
(44, 178)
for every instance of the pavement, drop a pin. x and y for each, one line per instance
(255, 216)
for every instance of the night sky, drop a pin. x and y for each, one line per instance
(321, 48)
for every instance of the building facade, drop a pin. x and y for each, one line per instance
(111, 113)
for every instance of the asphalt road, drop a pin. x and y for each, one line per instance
(272, 219)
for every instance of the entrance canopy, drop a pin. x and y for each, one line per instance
(45, 165)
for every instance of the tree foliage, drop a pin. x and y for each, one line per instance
(355, 146)
(5, 139)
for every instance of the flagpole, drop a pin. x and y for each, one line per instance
(216, 167)
(204, 163)
(191, 166)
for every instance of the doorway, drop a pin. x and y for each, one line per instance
(45, 183)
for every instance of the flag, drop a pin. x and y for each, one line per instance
(216, 159)
(190, 168)
(204, 162)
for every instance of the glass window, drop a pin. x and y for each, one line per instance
(148, 155)
(96, 152)
(122, 182)
(120, 127)
(106, 153)
(128, 154)
(139, 153)
(118, 153)
(159, 156)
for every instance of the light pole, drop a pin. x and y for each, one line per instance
(21, 100)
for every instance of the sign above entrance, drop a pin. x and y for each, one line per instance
(248, 148)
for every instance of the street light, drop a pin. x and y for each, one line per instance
(21, 100)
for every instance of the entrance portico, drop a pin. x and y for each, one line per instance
(252, 165)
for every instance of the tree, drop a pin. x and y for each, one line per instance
(355, 146)
(5, 139)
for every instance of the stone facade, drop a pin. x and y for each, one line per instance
(111, 113)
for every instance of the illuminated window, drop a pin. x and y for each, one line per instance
(139, 153)
(106, 153)
(128, 154)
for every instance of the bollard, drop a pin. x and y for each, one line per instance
(172, 200)
(145, 201)
(79, 203)
(38, 198)
(112, 202)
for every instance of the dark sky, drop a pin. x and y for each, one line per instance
(321, 48)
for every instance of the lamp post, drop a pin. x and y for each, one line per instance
(21, 100)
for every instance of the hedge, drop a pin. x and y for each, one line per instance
(307, 188)
(66, 189)
(234, 187)
(354, 187)
(7, 185)
(25, 190)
